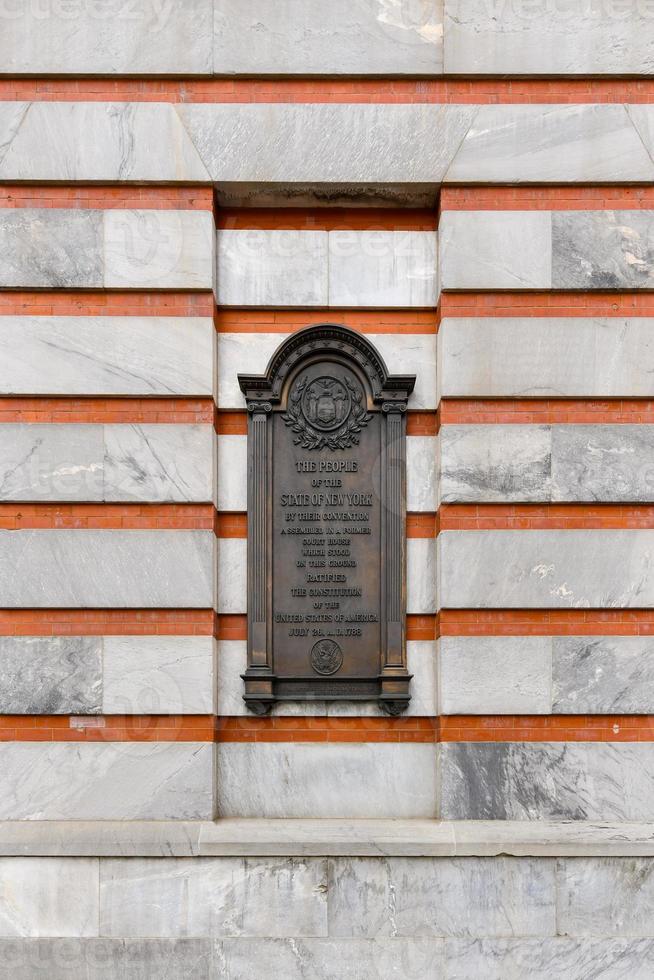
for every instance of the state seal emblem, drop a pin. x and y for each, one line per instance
(326, 412)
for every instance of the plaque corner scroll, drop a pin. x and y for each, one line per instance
(326, 524)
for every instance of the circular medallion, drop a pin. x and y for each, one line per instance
(326, 404)
(326, 657)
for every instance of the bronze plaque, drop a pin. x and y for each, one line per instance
(326, 524)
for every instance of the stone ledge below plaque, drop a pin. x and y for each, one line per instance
(322, 838)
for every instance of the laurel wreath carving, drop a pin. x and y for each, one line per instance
(307, 437)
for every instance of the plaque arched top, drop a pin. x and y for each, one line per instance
(322, 339)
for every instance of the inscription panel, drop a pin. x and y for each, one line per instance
(326, 524)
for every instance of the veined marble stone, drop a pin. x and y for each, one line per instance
(471, 897)
(272, 268)
(298, 779)
(106, 355)
(158, 462)
(603, 674)
(547, 781)
(495, 249)
(602, 249)
(153, 675)
(322, 143)
(546, 959)
(105, 569)
(49, 897)
(495, 675)
(51, 247)
(544, 569)
(603, 463)
(497, 463)
(550, 144)
(300, 37)
(602, 357)
(106, 781)
(268, 897)
(50, 675)
(100, 141)
(605, 897)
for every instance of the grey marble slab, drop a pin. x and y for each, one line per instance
(50, 247)
(49, 897)
(51, 462)
(158, 462)
(271, 897)
(102, 141)
(602, 249)
(497, 463)
(551, 144)
(106, 781)
(110, 959)
(491, 37)
(103, 569)
(547, 781)
(301, 37)
(106, 355)
(50, 675)
(272, 268)
(603, 674)
(543, 569)
(605, 897)
(495, 675)
(495, 250)
(302, 779)
(327, 959)
(550, 959)
(475, 897)
(383, 268)
(153, 675)
(108, 39)
(603, 463)
(603, 357)
(326, 143)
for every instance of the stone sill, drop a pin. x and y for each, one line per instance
(316, 838)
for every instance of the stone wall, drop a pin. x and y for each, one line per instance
(470, 183)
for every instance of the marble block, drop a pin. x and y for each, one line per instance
(422, 457)
(543, 569)
(232, 473)
(52, 247)
(603, 463)
(301, 37)
(495, 675)
(469, 897)
(551, 144)
(50, 675)
(158, 462)
(107, 39)
(603, 675)
(176, 897)
(151, 249)
(605, 897)
(101, 141)
(495, 250)
(49, 896)
(106, 781)
(495, 463)
(603, 249)
(383, 268)
(492, 37)
(105, 569)
(302, 779)
(106, 355)
(547, 781)
(272, 268)
(154, 675)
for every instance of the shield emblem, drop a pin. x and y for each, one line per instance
(326, 409)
